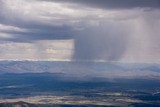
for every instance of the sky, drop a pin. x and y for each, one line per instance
(83, 30)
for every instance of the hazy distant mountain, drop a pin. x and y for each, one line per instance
(83, 69)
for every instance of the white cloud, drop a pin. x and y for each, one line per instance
(62, 13)
(43, 50)
(5, 36)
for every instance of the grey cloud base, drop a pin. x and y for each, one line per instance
(115, 4)
(109, 30)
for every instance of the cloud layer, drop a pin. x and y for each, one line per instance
(116, 4)
(108, 30)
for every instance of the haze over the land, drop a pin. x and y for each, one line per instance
(109, 30)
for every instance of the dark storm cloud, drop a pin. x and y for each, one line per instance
(36, 29)
(39, 32)
(115, 4)
(101, 29)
